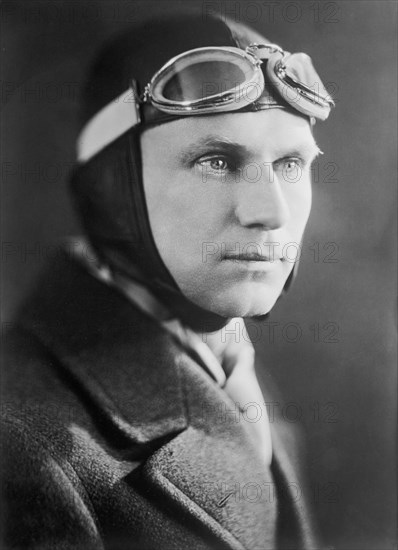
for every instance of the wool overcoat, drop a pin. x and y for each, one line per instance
(115, 437)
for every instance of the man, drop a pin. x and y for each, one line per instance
(130, 380)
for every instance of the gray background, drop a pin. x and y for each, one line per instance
(333, 350)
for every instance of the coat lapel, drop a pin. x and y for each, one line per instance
(214, 469)
(295, 528)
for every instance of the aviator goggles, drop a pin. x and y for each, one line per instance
(213, 80)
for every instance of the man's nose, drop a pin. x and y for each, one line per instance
(262, 203)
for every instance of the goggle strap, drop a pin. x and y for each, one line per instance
(108, 124)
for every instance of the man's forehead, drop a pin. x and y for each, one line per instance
(243, 133)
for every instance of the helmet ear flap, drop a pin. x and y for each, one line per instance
(101, 192)
(109, 197)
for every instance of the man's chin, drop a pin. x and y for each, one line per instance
(241, 304)
(245, 310)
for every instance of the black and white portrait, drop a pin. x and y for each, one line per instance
(198, 260)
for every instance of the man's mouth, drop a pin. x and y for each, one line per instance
(251, 257)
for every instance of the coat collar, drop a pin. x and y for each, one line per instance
(122, 360)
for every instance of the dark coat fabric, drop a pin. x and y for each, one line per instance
(114, 437)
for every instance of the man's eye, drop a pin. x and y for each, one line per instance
(291, 164)
(215, 164)
(218, 164)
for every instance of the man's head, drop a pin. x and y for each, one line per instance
(207, 210)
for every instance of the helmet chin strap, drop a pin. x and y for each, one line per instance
(166, 288)
(197, 318)
(287, 286)
(122, 235)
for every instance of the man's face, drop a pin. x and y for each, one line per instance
(228, 199)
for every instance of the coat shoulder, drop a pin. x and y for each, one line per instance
(45, 504)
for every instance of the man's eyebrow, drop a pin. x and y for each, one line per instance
(305, 149)
(308, 149)
(216, 143)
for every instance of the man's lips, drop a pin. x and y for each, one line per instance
(251, 257)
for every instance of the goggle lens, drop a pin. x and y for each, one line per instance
(202, 80)
(194, 79)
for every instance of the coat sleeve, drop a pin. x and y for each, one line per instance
(44, 506)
